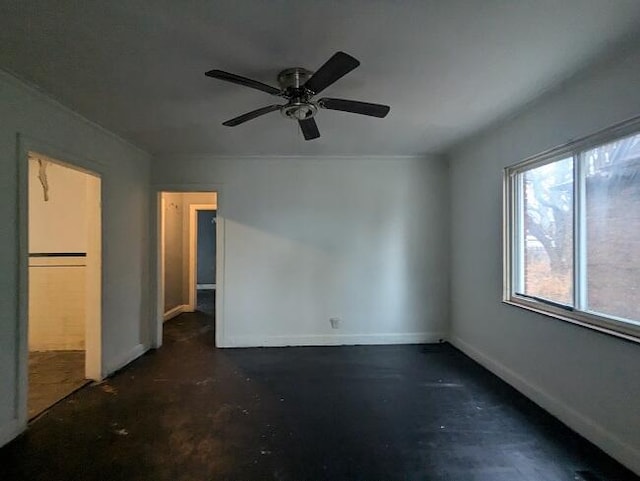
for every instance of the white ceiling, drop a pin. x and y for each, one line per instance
(446, 67)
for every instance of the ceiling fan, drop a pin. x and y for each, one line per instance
(298, 86)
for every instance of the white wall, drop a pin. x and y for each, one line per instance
(125, 203)
(589, 380)
(364, 240)
(57, 303)
(60, 223)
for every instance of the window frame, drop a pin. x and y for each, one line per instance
(512, 225)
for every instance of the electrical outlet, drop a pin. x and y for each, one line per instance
(335, 323)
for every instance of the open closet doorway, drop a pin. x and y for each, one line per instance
(188, 253)
(64, 287)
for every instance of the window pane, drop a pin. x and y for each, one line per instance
(613, 228)
(547, 220)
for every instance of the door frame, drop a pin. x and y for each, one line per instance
(93, 328)
(157, 253)
(193, 249)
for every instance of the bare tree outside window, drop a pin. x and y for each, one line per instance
(548, 227)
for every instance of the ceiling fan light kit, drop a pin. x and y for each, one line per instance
(298, 86)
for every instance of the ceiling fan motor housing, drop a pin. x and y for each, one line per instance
(299, 110)
(300, 105)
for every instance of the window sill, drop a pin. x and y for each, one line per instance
(627, 330)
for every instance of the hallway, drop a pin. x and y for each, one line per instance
(191, 412)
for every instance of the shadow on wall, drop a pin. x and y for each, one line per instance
(308, 240)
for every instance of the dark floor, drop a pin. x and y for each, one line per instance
(191, 412)
(205, 301)
(52, 376)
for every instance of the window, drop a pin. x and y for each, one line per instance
(572, 232)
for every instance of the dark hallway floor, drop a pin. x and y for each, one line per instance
(206, 301)
(191, 412)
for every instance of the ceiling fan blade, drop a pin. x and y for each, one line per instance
(309, 129)
(250, 115)
(247, 82)
(355, 107)
(335, 68)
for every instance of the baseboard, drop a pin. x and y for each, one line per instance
(205, 287)
(10, 431)
(333, 340)
(598, 435)
(176, 311)
(57, 347)
(125, 358)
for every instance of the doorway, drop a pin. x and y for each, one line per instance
(189, 255)
(63, 277)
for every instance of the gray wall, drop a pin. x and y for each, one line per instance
(125, 206)
(206, 247)
(174, 251)
(589, 380)
(362, 239)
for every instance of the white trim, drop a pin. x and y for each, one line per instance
(334, 340)
(269, 157)
(205, 287)
(625, 329)
(157, 266)
(220, 276)
(93, 279)
(193, 250)
(156, 259)
(22, 341)
(80, 261)
(11, 430)
(176, 311)
(93, 260)
(125, 358)
(94, 362)
(580, 291)
(597, 434)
